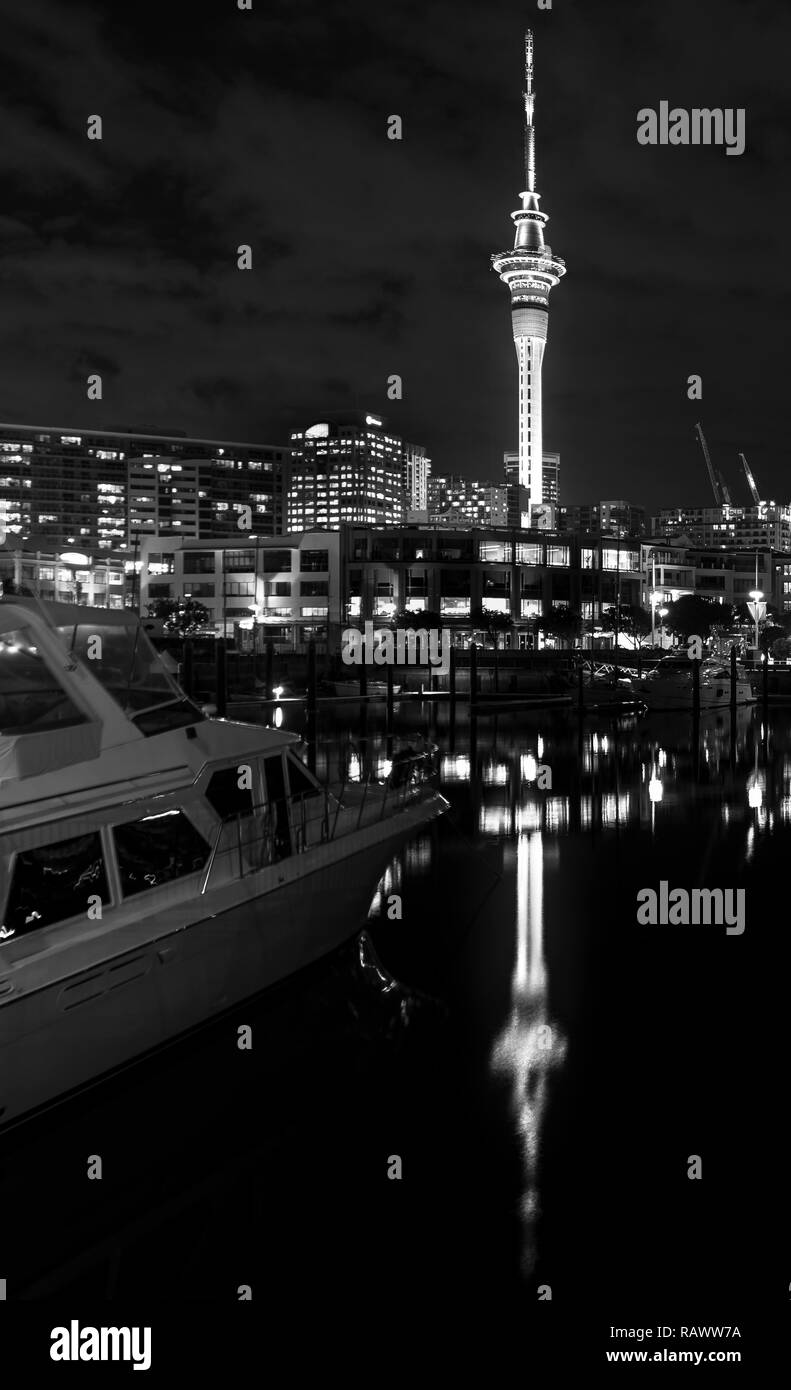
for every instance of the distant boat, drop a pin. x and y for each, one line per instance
(670, 685)
(353, 688)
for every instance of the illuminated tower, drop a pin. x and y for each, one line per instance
(530, 271)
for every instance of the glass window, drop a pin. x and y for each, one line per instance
(497, 551)
(53, 883)
(226, 796)
(125, 663)
(239, 560)
(157, 849)
(528, 553)
(277, 561)
(198, 562)
(314, 560)
(557, 555)
(299, 781)
(314, 588)
(32, 698)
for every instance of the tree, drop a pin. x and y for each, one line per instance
(632, 621)
(563, 623)
(182, 617)
(416, 618)
(491, 621)
(693, 613)
(781, 649)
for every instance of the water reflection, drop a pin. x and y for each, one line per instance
(530, 1045)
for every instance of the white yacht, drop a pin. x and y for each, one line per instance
(670, 684)
(156, 866)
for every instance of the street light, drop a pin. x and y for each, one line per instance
(655, 596)
(756, 595)
(663, 612)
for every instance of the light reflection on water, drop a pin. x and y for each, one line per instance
(608, 780)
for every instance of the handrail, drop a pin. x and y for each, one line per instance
(395, 794)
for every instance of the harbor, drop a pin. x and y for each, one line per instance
(418, 1037)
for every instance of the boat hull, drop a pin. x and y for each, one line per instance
(59, 1037)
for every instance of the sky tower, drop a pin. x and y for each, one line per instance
(530, 271)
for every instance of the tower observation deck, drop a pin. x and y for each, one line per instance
(530, 271)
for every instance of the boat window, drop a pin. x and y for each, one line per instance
(299, 780)
(226, 796)
(157, 850)
(278, 806)
(32, 698)
(54, 882)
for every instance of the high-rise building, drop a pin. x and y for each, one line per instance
(766, 524)
(417, 471)
(530, 271)
(100, 490)
(519, 497)
(454, 501)
(610, 518)
(350, 468)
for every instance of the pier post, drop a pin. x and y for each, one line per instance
(696, 689)
(473, 673)
(766, 684)
(311, 676)
(452, 681)
(187, 672)
(363, 682)
(220, 677)
(496, 668)
(733, 682)
(389, 671)
(270, 657)
(580, 688)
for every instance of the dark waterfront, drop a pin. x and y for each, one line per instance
(543, 1066)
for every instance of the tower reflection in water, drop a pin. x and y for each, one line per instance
(530, 1045)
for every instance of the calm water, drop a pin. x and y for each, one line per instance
(543, 1066)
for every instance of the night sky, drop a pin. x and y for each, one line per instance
(372, 257)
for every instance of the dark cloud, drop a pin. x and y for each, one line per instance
(372, 257)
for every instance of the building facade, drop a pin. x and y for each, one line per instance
(610, 518)
(103, 582)
(457, 501)
(674, 569)
(529, 271)
(288, 587)
(766, 524)
(100, 490)
(351, 469)
(312, 585)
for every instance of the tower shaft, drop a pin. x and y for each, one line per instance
(529, 271)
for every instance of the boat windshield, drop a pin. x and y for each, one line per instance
(121, 657)
(32, 699)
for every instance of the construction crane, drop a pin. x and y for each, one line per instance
(726, 496)
(716, 486)
(750, 480)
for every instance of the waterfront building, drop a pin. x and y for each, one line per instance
(64, 577)
(309, 585)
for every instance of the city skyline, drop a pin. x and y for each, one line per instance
(136, 277)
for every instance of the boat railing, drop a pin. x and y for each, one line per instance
(269, 832)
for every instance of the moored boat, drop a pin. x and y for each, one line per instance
(156, 866)
(670, 685)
